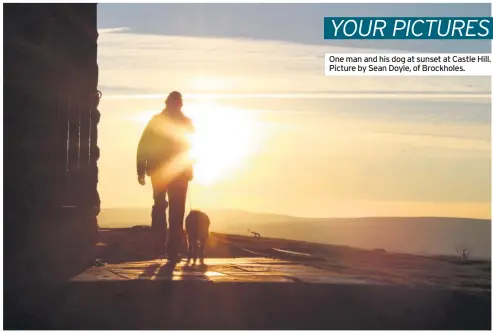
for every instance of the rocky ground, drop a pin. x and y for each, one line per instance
(446, 272)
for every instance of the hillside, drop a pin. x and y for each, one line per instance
(424, 236)
(133, 244)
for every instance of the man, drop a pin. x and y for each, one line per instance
(163, 154)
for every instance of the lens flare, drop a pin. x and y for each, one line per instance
(222, 140)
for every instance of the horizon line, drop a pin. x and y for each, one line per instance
(312, 218)
(317, 95)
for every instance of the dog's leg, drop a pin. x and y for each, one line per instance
(202, 250)
(189, 249)
(195, 250)
(199, 250)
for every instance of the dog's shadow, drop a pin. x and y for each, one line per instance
(189, 272)
(195, 272)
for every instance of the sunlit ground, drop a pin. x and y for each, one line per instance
(223, 138)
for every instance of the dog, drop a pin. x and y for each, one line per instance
(197, 225)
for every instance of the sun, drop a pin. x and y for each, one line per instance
(222, 140)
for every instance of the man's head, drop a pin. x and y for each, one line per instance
(174, 100)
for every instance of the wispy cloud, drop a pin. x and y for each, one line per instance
(274, 75)
(113, 30)
(320, 95)
(284, 21)
(194, 65)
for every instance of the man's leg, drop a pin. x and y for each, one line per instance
(159, 224)
(177, 194)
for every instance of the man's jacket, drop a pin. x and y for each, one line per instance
(164, 141)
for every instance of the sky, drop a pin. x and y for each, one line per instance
(274, 134)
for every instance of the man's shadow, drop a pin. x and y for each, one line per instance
(166, 270)
(158, 270)
(190, 271)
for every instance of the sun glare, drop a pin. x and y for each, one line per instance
(222, 140)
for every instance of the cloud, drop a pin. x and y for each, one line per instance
(284, 21)
(161, 63)
(113, 30)
(472, 97)
(137, 69)
(460, 142)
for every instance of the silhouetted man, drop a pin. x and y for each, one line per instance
(163, 154)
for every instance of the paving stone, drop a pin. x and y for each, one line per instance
(255, 269)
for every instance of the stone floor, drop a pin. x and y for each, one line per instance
(239, 294)
(218, 270)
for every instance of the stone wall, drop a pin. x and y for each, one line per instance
(50, 140)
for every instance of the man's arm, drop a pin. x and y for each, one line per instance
(189, 125)
(142, 153)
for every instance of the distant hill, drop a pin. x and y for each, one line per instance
(426, 235)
